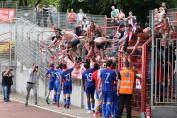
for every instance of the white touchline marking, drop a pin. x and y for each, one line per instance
(46, 108)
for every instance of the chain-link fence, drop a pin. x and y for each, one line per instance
(7, 49)
(49, 19)
(29, 40)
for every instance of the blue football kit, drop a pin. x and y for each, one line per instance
(53, 77)
(89, 83)
(89, 86)
(57, 86)
(108, 77)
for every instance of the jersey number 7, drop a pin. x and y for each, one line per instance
(106, 80)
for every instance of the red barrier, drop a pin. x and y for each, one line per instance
(7, 14)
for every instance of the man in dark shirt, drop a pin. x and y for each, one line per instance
(6, 83)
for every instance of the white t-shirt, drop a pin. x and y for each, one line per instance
(80, 17)
(85, 25)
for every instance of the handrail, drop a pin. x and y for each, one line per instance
(4, 33)
(144, 69)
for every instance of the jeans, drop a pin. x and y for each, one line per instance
(6, 92)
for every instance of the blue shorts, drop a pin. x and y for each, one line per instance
(107, 96)
(51, 85)
(90, 90)
(67, 88)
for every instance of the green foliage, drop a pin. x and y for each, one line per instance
(140, 8)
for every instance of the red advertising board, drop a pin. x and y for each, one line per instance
(7, 14)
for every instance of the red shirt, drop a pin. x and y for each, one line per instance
(95, 78)
(72, 17)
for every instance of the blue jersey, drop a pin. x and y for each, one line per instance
(87, 78)
(116, 79)
(59, 72)
(57, 86)
(108, 77)
(57, 82)
(53, 75)
(66, 76)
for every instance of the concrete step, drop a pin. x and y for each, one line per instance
(164, 112)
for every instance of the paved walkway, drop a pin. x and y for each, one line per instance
(17, 104)
(16, 109)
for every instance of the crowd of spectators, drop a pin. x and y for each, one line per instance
(45, 12)
(86, 40)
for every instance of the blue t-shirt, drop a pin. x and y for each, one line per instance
(52, 73)
(87, 78)
(108, 77)
(66, 76)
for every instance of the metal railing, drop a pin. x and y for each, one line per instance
(163, 80)
(58, 19)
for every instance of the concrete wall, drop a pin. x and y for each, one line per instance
(78, 97)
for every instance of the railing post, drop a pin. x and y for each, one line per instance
(10, 47)
(37, 50)
(105, 25)
(152, 57)
(46, 62)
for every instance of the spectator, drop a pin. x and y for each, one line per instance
(156, 15)
(72, 17)
(131, 19)
(121, 18)
(78, 29)
(7, 82)
(130, 36)
(85, 24)
(53, 15)
(94, 30)
(125, 89)
(45, 14)
(31, 83)
(114, 12)
(163, 4)
(38, 12)
(120, 35)
(165, 26)
(161, 13)
(141, 35)
(80, 16)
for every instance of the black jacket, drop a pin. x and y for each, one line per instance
(6, 80)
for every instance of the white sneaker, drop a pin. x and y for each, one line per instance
(89, 111)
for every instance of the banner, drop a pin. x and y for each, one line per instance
(7, 14)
